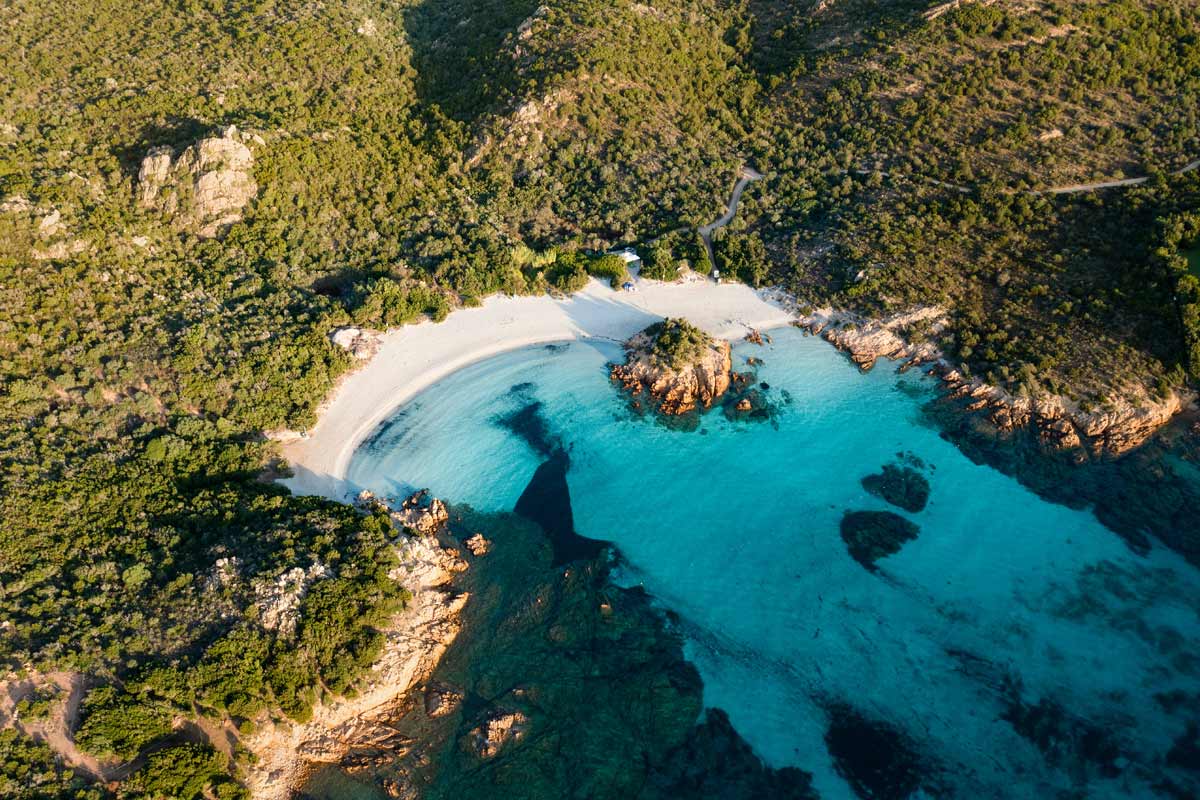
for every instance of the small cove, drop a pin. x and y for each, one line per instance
(1014, 647)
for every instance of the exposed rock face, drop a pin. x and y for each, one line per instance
(1123, 424)
(497, 730)
(414, 642)
(359, 343)
(478, 545)
(420, 513)
(424, 514)
(866, 341)
(441, 700)
(279, 600)
(674, 388)
(205, 188)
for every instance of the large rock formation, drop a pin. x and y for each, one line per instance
(678, 367)
(1123, 423)
(1059, 423)
(867, 341)
(413, 644)
(205, 187)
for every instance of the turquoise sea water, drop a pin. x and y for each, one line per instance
(1017, 645)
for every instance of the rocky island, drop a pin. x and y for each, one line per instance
(675, 368)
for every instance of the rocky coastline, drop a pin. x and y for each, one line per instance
(1058, 423)
(675, 380)
(285, 752)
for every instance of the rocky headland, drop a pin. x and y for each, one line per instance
(1124, 422)
(675, 367)
(286, 751)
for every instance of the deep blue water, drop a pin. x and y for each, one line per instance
(1017, 644)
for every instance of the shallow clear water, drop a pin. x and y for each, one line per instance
(735, 527)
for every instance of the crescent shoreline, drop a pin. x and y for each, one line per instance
(413, 357)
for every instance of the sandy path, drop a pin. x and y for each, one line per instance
(1091, 187)
(415, 356)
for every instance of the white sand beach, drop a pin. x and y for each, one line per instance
(414, 357)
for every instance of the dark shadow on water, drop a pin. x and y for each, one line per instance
(546, 501)
(528, 423)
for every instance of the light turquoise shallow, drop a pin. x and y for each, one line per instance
(735, 528)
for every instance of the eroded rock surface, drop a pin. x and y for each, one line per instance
(204, 188)
(413, 644)
(421, 512)
(678, 368)
(360, 343)
(1123, 423)
(493, 733)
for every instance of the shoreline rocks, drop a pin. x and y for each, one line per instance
(1058, 423)
(420, 513)
(414, 642)
(676, 367)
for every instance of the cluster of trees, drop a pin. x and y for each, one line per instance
(904, 160)
(677, 342)
(28, 771)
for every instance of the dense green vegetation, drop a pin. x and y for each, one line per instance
(28, 772)
(677, 342)
(414, 155)
(183, 772)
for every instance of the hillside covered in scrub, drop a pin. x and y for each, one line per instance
(194, 193)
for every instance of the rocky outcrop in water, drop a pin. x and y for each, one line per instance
(494, 732)
(1149, 491)
(477, 545)
(205, 187)
(676, 367)
(866, 340)
(1124, 422)
(421, 512)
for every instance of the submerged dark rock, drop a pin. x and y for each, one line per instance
(592, 678)
(872, 535)
(876, 758)
(688, 769)
(902, 486)
(1185, 752)
(1065, 740)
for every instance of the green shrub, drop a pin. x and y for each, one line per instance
(610, 268)
(184, 772)
(118, 725)
(678, 342)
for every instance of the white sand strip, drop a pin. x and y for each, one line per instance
(414, 357)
